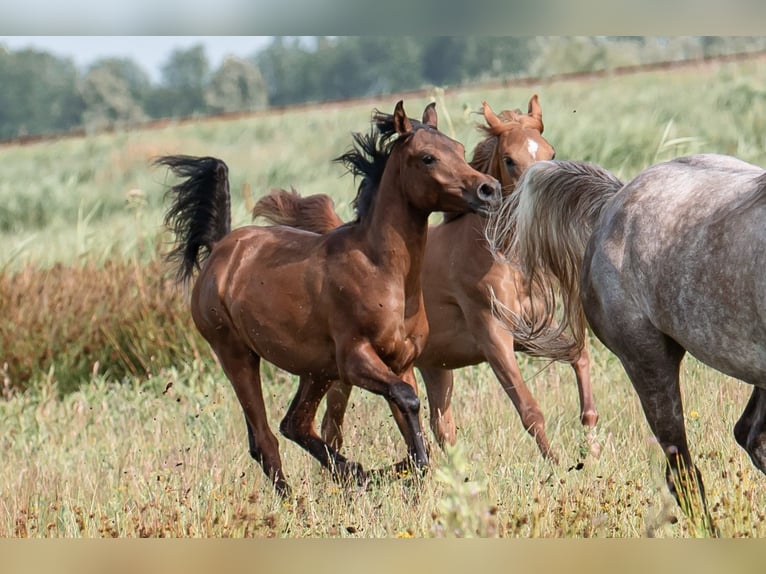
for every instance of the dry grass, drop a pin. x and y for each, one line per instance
(168, 457)
(120, 318)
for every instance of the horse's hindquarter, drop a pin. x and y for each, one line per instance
(263, 285)
(682, 248)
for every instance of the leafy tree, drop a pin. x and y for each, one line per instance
(184, 78)
(114, 90)
(386, 64)
(290, 71)
(39, 93)
(443, 59)
(491, 57)
(236, 86)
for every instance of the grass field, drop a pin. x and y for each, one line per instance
(158, 447)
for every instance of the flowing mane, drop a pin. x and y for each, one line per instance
(369, 156)
(483, 153)
(367, 159)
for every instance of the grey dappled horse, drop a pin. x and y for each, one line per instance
(673, 261)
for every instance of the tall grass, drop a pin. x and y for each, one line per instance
(168, 457)
(117, 421)
(121, 318)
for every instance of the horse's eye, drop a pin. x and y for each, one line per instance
(428, 159)
(509, 163)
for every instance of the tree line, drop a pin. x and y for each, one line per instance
(41, 93)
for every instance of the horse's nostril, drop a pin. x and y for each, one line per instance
(489, 191)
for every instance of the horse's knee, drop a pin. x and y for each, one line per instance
(533, 420)
(405, 398)
(589, 418)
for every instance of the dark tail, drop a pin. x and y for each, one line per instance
(200, 210)
(311, 213)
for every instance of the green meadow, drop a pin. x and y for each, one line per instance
(117, 422)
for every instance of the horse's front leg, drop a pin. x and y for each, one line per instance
(588, 413)
(361, 366)
(497, 345)
(439, 384)
(405, 428)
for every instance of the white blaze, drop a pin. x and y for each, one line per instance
(532, 147)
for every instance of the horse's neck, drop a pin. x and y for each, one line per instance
(397, 235)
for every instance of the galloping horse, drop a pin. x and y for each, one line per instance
(460, 278)
(343, 305)
(670, 263)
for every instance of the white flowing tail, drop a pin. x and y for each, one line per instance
(544, 226)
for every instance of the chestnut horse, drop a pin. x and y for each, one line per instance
(669, 263)
(460, 279)
(343, 305)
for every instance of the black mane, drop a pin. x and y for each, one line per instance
(369, 156)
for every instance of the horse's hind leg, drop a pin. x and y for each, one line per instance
(439, 383)
(298, 426)
(242, 367)
(750, 430)
(332, 422)
(581, 366)
(588, 413)
(652, 362)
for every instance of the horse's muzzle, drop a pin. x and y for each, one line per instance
(490, 195)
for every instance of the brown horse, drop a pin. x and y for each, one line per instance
(460, 279)
(343, 305)
(670, 263)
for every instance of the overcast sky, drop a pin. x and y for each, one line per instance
(150, 52)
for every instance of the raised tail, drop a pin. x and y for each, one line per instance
(311, 213)
(199, 212)
(545, 226)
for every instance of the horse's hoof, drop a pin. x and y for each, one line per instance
(408, 468)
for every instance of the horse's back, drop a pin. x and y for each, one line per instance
(681, 249)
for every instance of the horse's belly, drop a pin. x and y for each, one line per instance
(450, 344)
(742, 360)
(294, 341)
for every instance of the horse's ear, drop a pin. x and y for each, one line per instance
(429, 115)
(536, 111)
(402, 123)
(492, 120)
